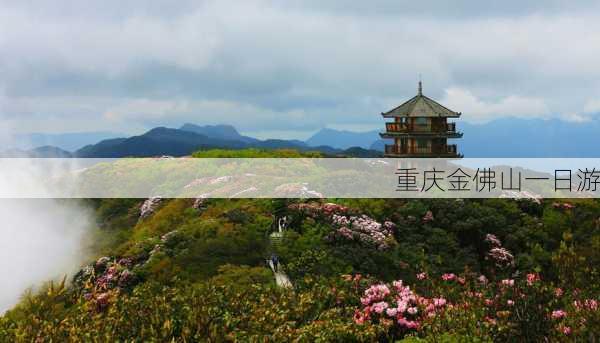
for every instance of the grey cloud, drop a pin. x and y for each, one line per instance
(290, 65)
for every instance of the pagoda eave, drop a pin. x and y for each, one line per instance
(390, 115)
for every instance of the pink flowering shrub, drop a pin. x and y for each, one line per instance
(526, 307)
(100, 280)
(396, 305)
(363, 230)
(497, 254)
(493, 240)
(563, 206)
(428, 217)
(318, 210)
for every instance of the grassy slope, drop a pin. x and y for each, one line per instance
(208, 279)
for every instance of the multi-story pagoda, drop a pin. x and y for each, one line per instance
(421, 129)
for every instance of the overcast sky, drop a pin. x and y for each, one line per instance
(289, 68)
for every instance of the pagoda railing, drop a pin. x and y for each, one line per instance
(405, 127)
(396, 127)
(397, 150)
(451, 127)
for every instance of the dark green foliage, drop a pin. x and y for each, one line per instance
(201, 274)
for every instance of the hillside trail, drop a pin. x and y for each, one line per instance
(281, 278)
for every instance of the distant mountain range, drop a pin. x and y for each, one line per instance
(179, 142)
(65, 141)
(509, 137)
(500, 138)
(187, 139)
(40, 152)
(343, 139)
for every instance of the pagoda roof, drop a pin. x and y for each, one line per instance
(421, 106)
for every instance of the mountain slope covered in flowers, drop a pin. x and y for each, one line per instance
(362, 270)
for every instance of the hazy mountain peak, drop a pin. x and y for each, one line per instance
(221, 131)
(341, 139)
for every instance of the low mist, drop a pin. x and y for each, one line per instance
(41, 240)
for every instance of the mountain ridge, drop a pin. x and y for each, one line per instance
(500, 138)
(178, 142)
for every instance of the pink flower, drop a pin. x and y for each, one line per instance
(532, 277)
(402, 306)
(448, 277)
(364, 229)
(461, 280)
(558, 292)
(397, 284)
(375, 293)
(501, 256)
(422, 276)
(380, 306)
(488, 302)
(558, 314)
(402, 321)
(493, 240)
(391, 312)
(591, 304)
(566, 330)
(412, 324)
(359, 318)
(510, 302)
(482, 279)
(412, 310)
(508, 282)
(439, 302)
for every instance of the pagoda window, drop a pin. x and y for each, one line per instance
(421, 124)
(422, 142)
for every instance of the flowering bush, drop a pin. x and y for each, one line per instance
(473, 306)
(100, 280)
(397, 306)
(364, 230)
(358, 228)
(149, 206)
(501, 257)
(319, 210)
(461, 276)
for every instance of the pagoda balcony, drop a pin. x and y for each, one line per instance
(447, 150)
(446, 128)
(451, 149)
(396, 127)
(451, 127)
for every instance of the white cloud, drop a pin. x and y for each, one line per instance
(145, 108)
(301, 64)
(592, 106)
(479, 111)
(576, 117)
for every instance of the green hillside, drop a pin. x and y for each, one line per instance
(362, 270)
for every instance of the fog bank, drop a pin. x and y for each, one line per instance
(41, 240)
